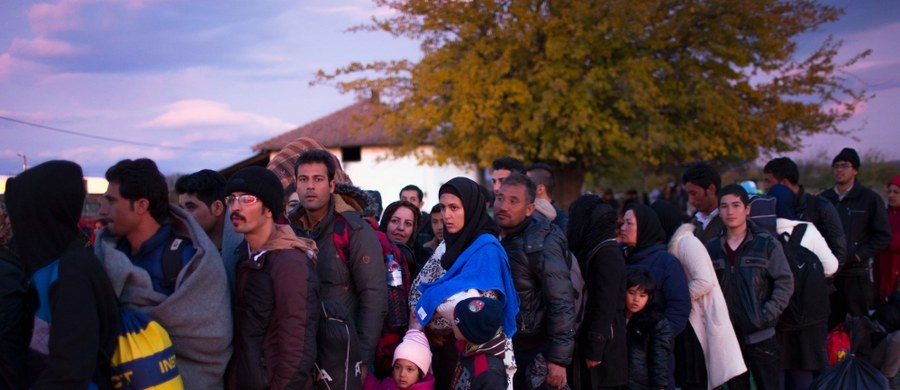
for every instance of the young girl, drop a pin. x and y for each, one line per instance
(648, 335)
(412, 362)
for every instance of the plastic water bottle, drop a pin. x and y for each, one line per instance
(394, 277)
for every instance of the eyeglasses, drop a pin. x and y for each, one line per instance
(245, 199)
(842, 165)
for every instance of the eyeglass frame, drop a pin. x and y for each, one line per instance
(243, 199)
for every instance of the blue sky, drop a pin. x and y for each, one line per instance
(220, 76)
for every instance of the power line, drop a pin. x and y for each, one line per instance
(110, 139)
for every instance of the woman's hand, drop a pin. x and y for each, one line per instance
(592, 363)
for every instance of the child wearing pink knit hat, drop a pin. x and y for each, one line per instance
(412, 363)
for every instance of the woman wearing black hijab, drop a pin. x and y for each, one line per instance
(77, 307)
(470, 262)
(600, 354)
(643, 239)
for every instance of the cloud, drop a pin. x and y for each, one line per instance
(93, 155)
(207, 113)
(41, 47)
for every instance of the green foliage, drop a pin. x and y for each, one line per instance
(585, 84)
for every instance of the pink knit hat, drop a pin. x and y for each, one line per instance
(895, 181)
(415, 349)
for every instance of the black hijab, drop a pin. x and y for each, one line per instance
(649, 229)
(668, 217)
(475, 219)
(591, 222)
(44, 205)
(389, 213)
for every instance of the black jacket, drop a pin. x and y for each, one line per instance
(539, 264)
(650, 344)
(713, 229)
(824, 216)
(15, 321)
(758, 286)
(602, 333)
(864, 218)
(276, 315)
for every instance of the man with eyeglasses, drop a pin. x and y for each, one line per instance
(161, 262)
(865, 223)
(276, 298)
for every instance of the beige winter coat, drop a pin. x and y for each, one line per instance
(709, 314)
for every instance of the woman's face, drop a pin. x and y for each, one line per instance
(628, 232)
(453, 213)
(400, 226)
(893, 196)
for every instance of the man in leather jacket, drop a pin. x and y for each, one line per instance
(540, 269)
(864, 218)
(745, 256)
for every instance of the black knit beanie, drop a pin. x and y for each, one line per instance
(479, 319)
(260, 182)
(849, 155)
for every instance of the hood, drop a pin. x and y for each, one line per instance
(283, 237)
(44, 205)
(546, 208)
(686, 229)
(349, 198)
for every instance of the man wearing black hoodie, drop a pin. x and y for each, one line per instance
(77, 320)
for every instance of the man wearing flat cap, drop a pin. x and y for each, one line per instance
(865, 223)
(276, 294)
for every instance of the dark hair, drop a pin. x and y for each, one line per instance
(207, 185)
(413, 187)
(511, 164)
(642, 279)
(701, 174)
(141, 179)
(783, 168)
(289, 190)
(542, 175)
(737, 190)
(436, 208)
(518, 179)
(389, 213)
(312, 156)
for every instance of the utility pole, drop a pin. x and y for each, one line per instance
(24, 161)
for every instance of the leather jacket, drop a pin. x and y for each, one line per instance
(865, 223)
(757, 286)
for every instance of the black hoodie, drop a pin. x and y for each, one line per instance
(45, 204)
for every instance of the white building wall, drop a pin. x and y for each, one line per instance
(380, 170)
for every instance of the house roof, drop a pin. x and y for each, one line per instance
(335, 130)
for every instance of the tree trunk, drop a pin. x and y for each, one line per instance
(569, 182)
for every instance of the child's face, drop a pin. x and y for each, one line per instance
(405, 373)
(635, 299)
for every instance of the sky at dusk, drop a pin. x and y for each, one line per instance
(194, 84)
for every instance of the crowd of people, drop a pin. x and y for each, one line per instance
(291, 277)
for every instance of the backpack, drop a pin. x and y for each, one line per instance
(144, 357)
(578, 280)
(762, 212)
(837, 344)
(808, 304)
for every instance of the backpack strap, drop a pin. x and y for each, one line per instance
(341, 236)
(797, 234)
(171, 262)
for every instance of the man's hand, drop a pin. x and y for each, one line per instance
(591, 363)
(556, 375)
